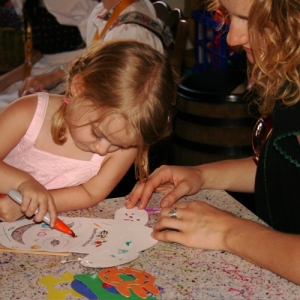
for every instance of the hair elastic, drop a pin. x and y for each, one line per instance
(65, 100)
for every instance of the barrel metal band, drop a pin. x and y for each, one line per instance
(213, 149)
(216, 122)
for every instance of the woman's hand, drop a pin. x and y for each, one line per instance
(201, 225)
(35, 196)
(198, 225)
(174, 181)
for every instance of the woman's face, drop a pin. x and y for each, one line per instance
(238, 34)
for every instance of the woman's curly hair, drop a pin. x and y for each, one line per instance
(274, 28)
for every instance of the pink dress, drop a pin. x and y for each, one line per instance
(51, 170)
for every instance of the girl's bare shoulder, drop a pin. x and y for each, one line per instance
(15, 120)
(21, 109)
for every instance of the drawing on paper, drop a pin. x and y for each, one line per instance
(118, 240)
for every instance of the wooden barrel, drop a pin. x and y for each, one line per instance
(212, 122)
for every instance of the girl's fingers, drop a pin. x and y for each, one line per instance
(53, 213)
(39, 203)
(37, 206)
(25, 206)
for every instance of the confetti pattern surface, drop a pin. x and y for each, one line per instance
(181, 273)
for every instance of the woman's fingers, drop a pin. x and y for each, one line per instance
(172, 197)
(194, 224)
(168, 235)
(179, 206)
(135, 195)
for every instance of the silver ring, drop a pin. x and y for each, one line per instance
(173, 213)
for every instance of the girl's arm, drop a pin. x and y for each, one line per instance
(97, 188)
(14, 121)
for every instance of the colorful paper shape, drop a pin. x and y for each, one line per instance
(53, 293)
(81, 288)
(100, 289)
(140, 281)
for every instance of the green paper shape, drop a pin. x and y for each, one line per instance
(94, 283)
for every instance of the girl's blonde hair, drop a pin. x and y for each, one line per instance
(130, 80)
(274, 28)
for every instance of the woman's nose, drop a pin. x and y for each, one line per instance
(238, 33)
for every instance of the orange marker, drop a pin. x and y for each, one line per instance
(59, 225)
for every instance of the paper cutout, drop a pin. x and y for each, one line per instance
(54, 294)
(142, 281)
(132, 215)
(124, 246)
(101, 289)
(120, 240)
(41, 237)
(82, 289)
(93, 282)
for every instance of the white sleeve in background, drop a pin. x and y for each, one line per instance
(73, 13)
(125, 31)
(18, 6)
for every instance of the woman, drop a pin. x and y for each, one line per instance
(266, 30)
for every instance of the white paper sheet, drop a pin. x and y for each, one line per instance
(109, 242)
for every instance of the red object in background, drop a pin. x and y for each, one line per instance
(6, 3)
(221, 17)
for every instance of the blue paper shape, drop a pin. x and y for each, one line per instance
(82, 289)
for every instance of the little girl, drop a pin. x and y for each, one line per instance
(68, 152)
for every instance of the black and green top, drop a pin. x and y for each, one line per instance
(277, 185)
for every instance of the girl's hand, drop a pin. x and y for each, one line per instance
(9, 210)
(198, 225)
(174, 181)
(35, 196)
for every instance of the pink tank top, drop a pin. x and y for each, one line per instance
(52, 171)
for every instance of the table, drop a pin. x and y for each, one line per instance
(181, 272)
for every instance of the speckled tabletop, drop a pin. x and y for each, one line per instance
(180, 272)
